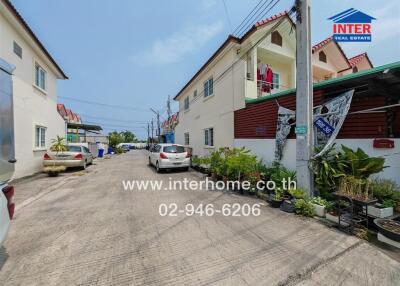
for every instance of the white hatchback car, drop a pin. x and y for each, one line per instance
(169, 156)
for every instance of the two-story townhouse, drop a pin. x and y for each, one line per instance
(258, 64)
(36, 120)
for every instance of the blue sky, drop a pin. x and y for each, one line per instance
(136, 53)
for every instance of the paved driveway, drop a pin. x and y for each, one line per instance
(83, 229)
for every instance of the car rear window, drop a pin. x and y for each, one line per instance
(74, 148)
(174, 149)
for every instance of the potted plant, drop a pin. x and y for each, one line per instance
(288, 206)
(319, 205)
(389, 228)
(332, 214)
(382, 210)
(304, 207)
(58, 145)
(276, 198)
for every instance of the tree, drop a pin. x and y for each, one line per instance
(128, 136)
(115, 138)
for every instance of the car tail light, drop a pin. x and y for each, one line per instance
(46, 156)
(78, 156)
(9, 193)
(163, 156)
(188, 155)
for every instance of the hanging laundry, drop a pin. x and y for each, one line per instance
(269, 78)
(264, 77)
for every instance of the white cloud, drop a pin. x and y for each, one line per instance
(208, 4)
(174, 48)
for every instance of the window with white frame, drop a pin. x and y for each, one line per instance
(209, 137)
(186, 103)
(40, 77)
(187, 139)
(275, 81)
(208, 87)
(40, 137)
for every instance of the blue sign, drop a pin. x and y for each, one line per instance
(324, 126)
(352, 26)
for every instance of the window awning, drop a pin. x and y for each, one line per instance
(86, 127)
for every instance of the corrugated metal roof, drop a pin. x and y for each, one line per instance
(325, 83)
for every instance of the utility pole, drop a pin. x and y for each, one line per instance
(158, 124)
(169, 112)
(304, 97)
(148, 133)
(152, 130)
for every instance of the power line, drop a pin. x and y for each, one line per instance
(224, 73)
(104, 104)
(112, 119)
(227, 16)
(257, 17)
(114, 125)
(248, 15)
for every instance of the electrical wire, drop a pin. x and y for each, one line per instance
(224, 73)
(104, 104)
(227, 16)
(249, 17)
(258, 17)
(111, 119)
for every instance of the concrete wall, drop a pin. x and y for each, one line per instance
(215, 111)
(32, 106)
(265, 148)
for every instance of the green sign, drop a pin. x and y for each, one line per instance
(302, 129)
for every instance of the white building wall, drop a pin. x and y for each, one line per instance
(265, 149)
(216, 111)
(31, 106)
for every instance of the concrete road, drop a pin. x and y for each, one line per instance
(84, 229)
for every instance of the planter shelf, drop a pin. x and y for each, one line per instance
(335, 219)
(356, 214)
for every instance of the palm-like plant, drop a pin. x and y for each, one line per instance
(58, 144)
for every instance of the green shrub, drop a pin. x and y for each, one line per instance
(118, 150)
(332, 166)
(359, 164)
(389, 203)
(297, 193)
(384, 190)
(319, 201)
(277, 173)
(304, 208)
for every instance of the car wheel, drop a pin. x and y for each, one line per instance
(185, 169)
(158, 168)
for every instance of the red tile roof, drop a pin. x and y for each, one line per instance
(270, 19)
(235, 39)
(322, 44)
(356, 59)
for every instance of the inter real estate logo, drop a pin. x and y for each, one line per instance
(352, 26)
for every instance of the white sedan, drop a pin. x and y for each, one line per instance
(6, 209)
(169, 156)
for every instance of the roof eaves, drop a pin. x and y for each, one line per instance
(237, 40)
(21, 20)
(230, 39)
